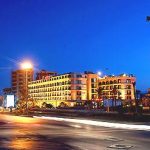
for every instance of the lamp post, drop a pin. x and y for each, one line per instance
(26, 66)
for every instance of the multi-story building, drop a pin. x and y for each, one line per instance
(19, 80)
(43, 73)
(64, 88)
(92, 85)
(118, 87)
(72, 87)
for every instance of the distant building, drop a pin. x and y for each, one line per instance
(118, 87)
(43, 73)
(19, 79)
(146, 100)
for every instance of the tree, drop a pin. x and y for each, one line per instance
(100, 92)
(25, 102)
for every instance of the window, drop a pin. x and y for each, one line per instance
(107, 88)
(128, 97)
(128, 81)
(78, 87)
(111, 87)
(79, 76)
(115, 81)
(93, 90)
(78, 81)
(111, 82)
(103, 83)
(93, 96)
(93, 80)
(107, 82)
(93, 86)
(128, 86)
(115, 86)
(78, 92)
(119, 86)
(128, 92)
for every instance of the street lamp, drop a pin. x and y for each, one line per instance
(26, 66)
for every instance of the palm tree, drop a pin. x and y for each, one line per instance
(25, 101)
(115, 92)
(100, 92)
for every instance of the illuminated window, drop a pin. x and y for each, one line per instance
(93, 86)
(128, 81)
(128, 86)
(128, 92)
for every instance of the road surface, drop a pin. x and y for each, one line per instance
(23, 133)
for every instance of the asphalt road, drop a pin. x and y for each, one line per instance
(22, 133)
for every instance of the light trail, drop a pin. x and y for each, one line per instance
(99, 123)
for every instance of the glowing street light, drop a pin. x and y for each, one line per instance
(26, 65)
(99, 73)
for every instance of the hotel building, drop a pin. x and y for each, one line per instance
(64, 88)
(70, 88)
(118, 87)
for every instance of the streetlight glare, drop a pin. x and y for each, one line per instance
(99, 73)
(26, 65)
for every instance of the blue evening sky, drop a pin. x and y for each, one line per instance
(76, 35)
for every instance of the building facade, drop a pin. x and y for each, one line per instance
(72, 87)
(54, 90)
(19, 81)
(117, 87)
(92, 85)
